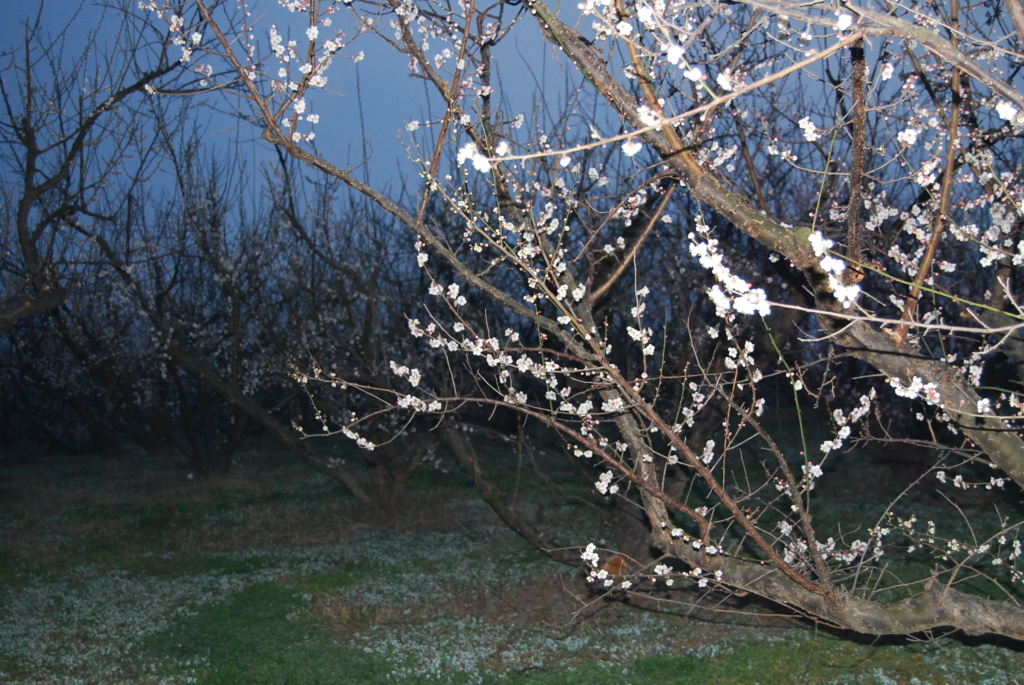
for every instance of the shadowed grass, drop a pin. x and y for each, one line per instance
(263, 636)
(269, 576)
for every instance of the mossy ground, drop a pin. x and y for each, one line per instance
(126, 571)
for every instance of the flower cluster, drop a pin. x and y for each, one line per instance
(833, 267)
(843, 422)
(796, 551)
(918, 389)
(738, 295)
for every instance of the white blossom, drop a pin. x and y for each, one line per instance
(694, 74)
(811, 133)
(908, 136)
(471, 152)
(1007, 110)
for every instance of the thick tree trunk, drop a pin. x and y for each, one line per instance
(38, 303)
(937, 607)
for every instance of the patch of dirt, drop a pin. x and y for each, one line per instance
(549, 601)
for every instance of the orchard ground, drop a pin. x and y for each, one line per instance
(123, 569)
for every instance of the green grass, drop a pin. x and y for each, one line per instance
(270, 576)
(263, 636)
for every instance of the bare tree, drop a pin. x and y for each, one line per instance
(66, 130)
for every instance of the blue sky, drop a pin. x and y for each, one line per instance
(374, 98)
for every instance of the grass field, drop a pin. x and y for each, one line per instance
(127, 571)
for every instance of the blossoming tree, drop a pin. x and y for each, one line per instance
(728, 182)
